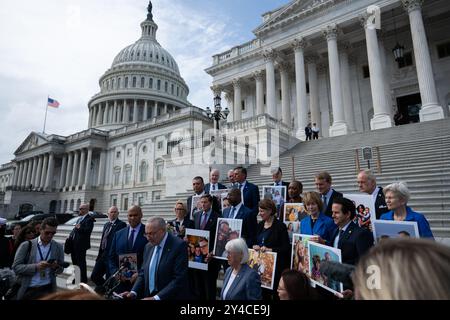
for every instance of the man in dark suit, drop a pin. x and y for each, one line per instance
(81, 235)
(367, 183)
(323, 186)
(164, 274)
(239, 211)
(128, 240)
(214, 184)
(353, 240)
(198, 186)
(204, 283)
(101, 264)
(249, 190)
(277, 177)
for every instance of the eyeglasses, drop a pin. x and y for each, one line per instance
(83, 209)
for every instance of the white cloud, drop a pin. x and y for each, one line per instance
(61, 48)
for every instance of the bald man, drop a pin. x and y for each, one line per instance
(128, 240)
(101, 264)
(367, 183)
(214, 184)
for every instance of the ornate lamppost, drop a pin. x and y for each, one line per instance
(218, 114)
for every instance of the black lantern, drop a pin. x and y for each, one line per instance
(217, 115)
(398, 50)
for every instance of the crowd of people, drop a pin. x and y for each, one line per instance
(162, 252)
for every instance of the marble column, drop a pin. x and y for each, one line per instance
(381, 106)
(237, 110)
(165, 108)
(69, 171)
(230, 103)
(29, 171)
(155, 110)
(114, 117)
(21, 168)
(105, 113)
(76, 163)
(126, 112)
(16, 174)
(38, 173)
(34, 169)
(339, 126)
(135, 111)
(311, 63)
(431, 110)
(87, 181)
(44, 172)
(346, 88)
(299, 46)
(82, 170)
(285, 68)
(145, 111)
(63, 172)
(101, 169)
(99, 114)
(24, 174)
(50, 171)
(271, 96)
(90, 117)
(259, 79)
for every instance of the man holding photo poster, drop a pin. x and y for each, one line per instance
(353, 240)
(239, 211)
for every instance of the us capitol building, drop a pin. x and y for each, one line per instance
(347, 65)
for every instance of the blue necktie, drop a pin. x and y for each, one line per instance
(214, 187)
(131, 240)
(232, 212)
(152, 271)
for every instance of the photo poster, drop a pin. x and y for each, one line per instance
(385, 229)
(226, 230)
(317, 254)
(129, 264)
(300, 253)
(220, 195)
(264, 264)
(277, 194)
(365, 209)
(195, 205)
(293, 214)
(198, 248)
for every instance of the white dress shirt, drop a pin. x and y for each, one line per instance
(37, 280)
(336, 241)
(229, 283)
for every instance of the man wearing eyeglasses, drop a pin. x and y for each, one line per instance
(81, 235)
(38, 261)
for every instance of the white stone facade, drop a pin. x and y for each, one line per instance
(325, 61)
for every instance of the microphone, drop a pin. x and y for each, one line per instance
(337, 271)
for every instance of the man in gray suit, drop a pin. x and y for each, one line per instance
(37, 262)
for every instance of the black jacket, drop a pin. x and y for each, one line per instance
(334, 195)
(354, 243)
(118, 225)
(380, 204)
(82, 235)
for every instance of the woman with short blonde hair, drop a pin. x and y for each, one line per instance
(181, 222)
(381, 274)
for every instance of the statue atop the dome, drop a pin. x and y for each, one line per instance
(149, 8)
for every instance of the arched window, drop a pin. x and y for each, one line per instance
(150, 83)
(72, 204)
(127, 173)
(172, 88)
(142, 82)
(126, 82)
(143, 169)
(166, 86)
(134, 82)
(158, 86)
(65, 206)
(78, 204)
(119, 83)
(112, 84)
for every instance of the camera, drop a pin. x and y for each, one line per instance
(62, 264)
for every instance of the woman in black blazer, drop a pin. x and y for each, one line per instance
(272, 236)
(179, 225)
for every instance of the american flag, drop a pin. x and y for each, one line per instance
(52, 103)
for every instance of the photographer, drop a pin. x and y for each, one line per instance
(38, 261)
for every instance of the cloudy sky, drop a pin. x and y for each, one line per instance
(61, 48)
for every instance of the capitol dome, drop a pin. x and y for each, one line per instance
(143, 82)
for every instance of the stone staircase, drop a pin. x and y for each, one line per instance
(417, 154)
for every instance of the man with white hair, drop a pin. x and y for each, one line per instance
(367, 183)
(214, 184)
(164, 274)
(231, 179)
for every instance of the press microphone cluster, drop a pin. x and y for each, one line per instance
(337, 271)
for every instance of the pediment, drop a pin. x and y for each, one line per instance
(33, 141)
(293, 10)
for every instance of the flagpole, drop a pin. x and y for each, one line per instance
(45, 119)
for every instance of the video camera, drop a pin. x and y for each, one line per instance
(339, 272)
